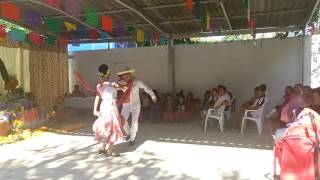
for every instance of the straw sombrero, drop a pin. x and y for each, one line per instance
(126, 70)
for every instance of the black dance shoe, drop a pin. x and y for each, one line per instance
(131, 143)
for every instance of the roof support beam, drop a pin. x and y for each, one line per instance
(141, 13)
(312, 12)
(225, 15)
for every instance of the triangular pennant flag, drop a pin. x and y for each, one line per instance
(3, 32)
(208, 22)
(50, 39)
(131, 29)
(189, 5)
(107, 24)
(94, 34)
(17, 35)
(63, 41)
(82, 34)
(91, 16)
(53, 3)
(120, 30)
(203, 17)
(73, 8)
(212, 25)
(52, 24)
(156, 38)
(140, 35)
(70, 26)
(197, 9)
(35, 38)
(162, 39)
(32, 18)
(10, 11)
(2, 39)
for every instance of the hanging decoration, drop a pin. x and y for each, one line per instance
(155, 38)
(17, 35)
(82, 34)
(10, 11)
(120, 30)
(94, 34)
(140, 36)
(32, 18)
(63, 41)
(208, 22)
(197, 9)
(52, 24)
(162, 39)
(73, 8)
(50, 39)
(189, 5)
(3, 33)
(203, 18)
(131, 29)
(106, 22)
(91, 16)
(104, 36)
(212, 25)
(35, 38)
(70, 26)
(53, 3)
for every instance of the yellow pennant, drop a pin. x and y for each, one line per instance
(70, 26)
(140, 35)
(2, 39)
(208, 22)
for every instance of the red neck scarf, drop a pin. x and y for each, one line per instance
(125, 98)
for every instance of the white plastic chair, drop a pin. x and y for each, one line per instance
(258, 118)
(215, 114)
(228, 112)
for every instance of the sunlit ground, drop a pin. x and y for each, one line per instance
(163, 151)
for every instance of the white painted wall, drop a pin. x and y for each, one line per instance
(151, 64)
(239, 65)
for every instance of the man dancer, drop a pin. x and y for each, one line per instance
(131, 102)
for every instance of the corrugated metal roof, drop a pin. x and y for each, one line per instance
(173, 17)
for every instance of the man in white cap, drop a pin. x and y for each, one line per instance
(131, 101)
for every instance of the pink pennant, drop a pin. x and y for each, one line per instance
(94, 34)
(53, 3)
(83, 82)
(73, 8)
(35, 38)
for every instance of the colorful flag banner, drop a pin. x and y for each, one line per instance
(247, 8)
(208, 22)
(32, 18)
(52, 24)
(106, 24)
(104, 36)
(203, 18)
(120, 30)
(197, 9)
(162, 39)
(131, 29)
(17, 35)
(156, 38)
(148, 36)
(94, 34)
(91, 16)
(189, 5)
(212, 25)
(10, 11)
(63, 41)
(3, 32)
(82, 34)
(54, 3)
(73, 8)
(140, 35)
(35, 38)
(70, 26)
(50, 39)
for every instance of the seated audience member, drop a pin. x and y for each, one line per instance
(296, 102)
(181, 113)
(191, 105)
(222, 100)
(212, 100)
(274, 116)
(145, 105)
(168, 115)
(316, 100)
(77, 92)
(260, 101)
(263, 88)
(156, 108)
(251, 102)
(206, 100)
(307, 95)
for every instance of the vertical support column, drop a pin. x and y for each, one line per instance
(171, 62)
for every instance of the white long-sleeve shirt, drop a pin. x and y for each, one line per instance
(135, 95)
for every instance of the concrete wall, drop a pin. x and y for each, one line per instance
(239, 65)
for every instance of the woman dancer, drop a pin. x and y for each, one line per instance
(107, 127)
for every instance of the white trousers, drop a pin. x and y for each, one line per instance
(135, 112)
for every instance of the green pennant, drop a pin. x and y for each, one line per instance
(246, 4)
(50, 39)
(91, 16)
(203, 17)
(52, 24)
(131, 29)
